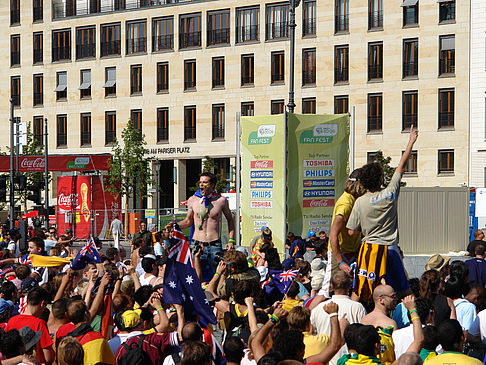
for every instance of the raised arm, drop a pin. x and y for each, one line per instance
(418, 333)
(336, 227)
(403, 161)
(257, 343)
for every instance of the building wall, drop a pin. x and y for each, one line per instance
(478, 94)
(391, 140)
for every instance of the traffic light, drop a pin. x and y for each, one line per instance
(36, 192)
(3, 188)
(21, 181)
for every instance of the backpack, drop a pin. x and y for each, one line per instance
(134, 355)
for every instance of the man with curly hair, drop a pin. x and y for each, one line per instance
(375, 215)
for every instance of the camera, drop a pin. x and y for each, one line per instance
(218, 257)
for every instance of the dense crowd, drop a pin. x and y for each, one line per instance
(338, 299)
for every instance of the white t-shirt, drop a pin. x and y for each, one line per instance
(13, 246)
(120, 338)
(482, 325)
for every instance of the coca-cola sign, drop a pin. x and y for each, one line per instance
(67, 201)
(32, 163)
(262, 164)
(318, 203)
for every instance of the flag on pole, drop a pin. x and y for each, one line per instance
(87, 254)
(47, 261)
(181, 284)
(283, 279)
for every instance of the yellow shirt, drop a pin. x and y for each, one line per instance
(449, 357)
(343, 207)
(387, 349)
(314, 344)
(288, 304)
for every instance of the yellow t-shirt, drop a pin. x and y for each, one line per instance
(314, 344)
(387, 348)
(288, 304)
(343, 207)
(449, 357)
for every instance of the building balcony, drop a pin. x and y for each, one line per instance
(162, 42)
(187, 40)
(247, 33)
(218, 36)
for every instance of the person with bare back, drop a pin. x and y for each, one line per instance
(204, 212)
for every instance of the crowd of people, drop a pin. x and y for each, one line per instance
(342, 298)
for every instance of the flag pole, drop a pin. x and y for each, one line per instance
(238, 179)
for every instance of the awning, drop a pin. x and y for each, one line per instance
(86, 80)
(60, 87)
(61, 82)
(444, 1)
(109, 83)
(409, 3)
(85, 85)
(448, 44)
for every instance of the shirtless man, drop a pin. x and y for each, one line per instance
(385, 300)
(204, 211)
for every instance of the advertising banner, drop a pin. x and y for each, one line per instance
(317, 166)
(73, 208)
(58, 163)
(263, 177)
(105, 207)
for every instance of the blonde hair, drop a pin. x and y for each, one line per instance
(70, 352)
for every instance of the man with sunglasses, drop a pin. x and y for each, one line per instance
(385, 300)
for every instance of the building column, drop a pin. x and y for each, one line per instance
(180, 183)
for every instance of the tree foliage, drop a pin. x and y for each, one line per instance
(209, 165)
(388, 171)
(128, 171)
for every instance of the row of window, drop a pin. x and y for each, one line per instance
(409, 59)
(163, 33)
(162, 75)
(445, 161)
(447, 13)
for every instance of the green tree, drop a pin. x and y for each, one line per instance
(128, 173)
(209, 165)
(388, 171)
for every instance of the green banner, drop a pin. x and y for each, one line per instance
(317, 169)
(263, 178)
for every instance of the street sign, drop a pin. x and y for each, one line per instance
(149, 213)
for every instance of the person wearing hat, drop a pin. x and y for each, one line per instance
(30, 338)
(129, 324)
(439, 263)
(311, 238)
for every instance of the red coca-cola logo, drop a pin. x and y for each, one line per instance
(318, 203)
(67, 201)
(262, 164)
(33, 163)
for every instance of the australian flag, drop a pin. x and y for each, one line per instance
(87, 254)
(181, 284)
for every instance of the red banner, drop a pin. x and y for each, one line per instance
(58, 163)
(73, 208)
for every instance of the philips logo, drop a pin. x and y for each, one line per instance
(267, 130)
(261, 194)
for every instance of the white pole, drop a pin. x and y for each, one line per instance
(238, 179)
(351, 139)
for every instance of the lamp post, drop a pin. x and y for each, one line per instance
(12, 165)
(46, 175)
(293, 5)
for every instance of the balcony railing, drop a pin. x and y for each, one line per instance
(38, 56)
(218, 82)
(190, 40)
(447, 65)
(162, 134)
(374, 123)
(309, 27)
(162, 42)
(85, 138)
(218, 131)
(375, 19)
(38, 99)
(408, 121)
(85, 50)
(110, 48)
(341, 74)
(60, 10)
(247, 33)
(410, 69)
(61, 139)
(136, 45)
(61, 53)
(375, 72)
(446, 119)
(277, 30)
(14, 58)
(38, 13)
(110, 136)
(277, 78)
(247, 79)
(309, 77)
(218, 36)
(341, 23)
(189, 133)
(189, 85)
